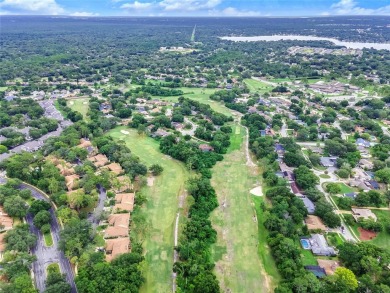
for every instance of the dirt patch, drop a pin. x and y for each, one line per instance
(84, 103)
(125, 132)
(150, 181)
(71, 103)
(366, 235)
(257, 191)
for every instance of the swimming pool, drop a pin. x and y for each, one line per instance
(305, 243)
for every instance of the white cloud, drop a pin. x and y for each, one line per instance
(33, 6)
(83, 13)
(138, 5)
(231, 11)
(351, 7)
(188, 5)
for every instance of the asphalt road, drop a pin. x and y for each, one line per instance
(94, 218)
(47, 255)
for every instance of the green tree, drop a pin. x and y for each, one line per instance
(15, 207)
(42, 218)
(333, 188)
(156, 169)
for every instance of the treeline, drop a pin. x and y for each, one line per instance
(156, 90)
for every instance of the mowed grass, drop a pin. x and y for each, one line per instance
(239, 266)
(48, 239)
(383, 238)
(80, 105)
(257, 86)
(159, 211)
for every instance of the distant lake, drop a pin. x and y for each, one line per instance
(351, 45)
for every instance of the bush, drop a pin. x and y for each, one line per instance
(45, 228)
(371, 225)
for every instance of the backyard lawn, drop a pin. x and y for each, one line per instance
(243, 263)
(157, 218)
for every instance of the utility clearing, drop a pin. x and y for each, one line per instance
(155, 221)
(239, 266)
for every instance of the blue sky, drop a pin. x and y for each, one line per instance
(196, 7)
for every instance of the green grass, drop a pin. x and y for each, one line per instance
(334, 239)
(156, 229)
(257, 85)
(243, 260)
(53, 268)
(201, 95)
(80, 105)
(308, 258)
(3, 88)
(290, 132)
(324, 176)
(48, 239)
(383, 238)
(345, 188)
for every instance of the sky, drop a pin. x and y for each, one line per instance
(220, 8)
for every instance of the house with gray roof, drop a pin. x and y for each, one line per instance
(319, 246)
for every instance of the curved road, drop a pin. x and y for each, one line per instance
(47, 255)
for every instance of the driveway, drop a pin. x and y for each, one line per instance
(94, 218)
(47, 255)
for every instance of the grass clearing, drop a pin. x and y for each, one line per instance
(48, 239)
(241, 256)
(80, 105)
(201, 95)
(383, 238)
(257, 85)
(324, 176)
(159, 212)
(345, 188)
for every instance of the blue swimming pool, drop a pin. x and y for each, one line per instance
(305, 243)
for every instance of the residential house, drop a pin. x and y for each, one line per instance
(115, 168)
(160, 133)
(365, 214)
(117, 246)
(72, 181)
(316, 270)
(206, 148)
(366, 164)
(118, 226)
(6, 222)
(319, 245)
(328, 161)
(362, 142)
(99, 160)
(124, 202)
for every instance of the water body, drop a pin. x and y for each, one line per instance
(351, 45)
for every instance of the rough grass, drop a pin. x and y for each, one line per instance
(334, 239)
(240, 253)
(157, 216)
(53, 268)
(79, 106)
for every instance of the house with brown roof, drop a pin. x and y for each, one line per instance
(124, 202)
(84, 143)
(365, 214)
(116, 247)
(118, 226)
(6, 222)
(99, 160)
(2, 245)
(124, 183)
(72, 181)
(115, 168)
(65, 168)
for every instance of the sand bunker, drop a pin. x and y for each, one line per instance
(125, 132)
(84, 103)
(71, 103)
(258, 191)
